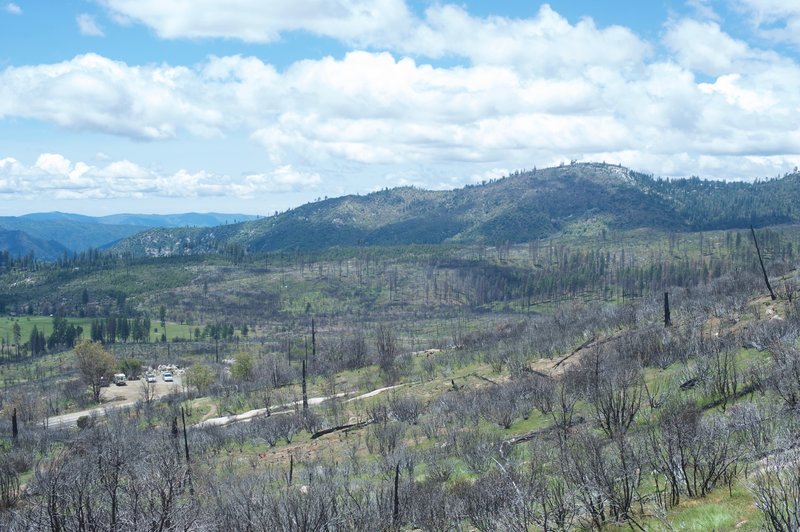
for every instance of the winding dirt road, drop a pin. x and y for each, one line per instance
(124, 396)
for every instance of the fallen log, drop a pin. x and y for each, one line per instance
(345, 427)
(738, 395)
(584, 345)
(484, 378)
(539, 432)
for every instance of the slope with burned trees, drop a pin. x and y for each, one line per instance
(539, 388)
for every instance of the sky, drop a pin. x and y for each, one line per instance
(253, 106)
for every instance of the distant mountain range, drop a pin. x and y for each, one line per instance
(582, 198)
(50, 234)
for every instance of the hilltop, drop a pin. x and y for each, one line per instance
(585, 198)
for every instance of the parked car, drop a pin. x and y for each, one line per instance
(119, 379)
(167, 376)
(150, 377)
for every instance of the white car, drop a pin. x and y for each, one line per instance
(167, 376)
(150, 378)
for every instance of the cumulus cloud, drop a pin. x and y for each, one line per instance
(534, 91)
(88, 26)
(12, 8)
(703, 47)
(775, 19)
(282, 179)
(544, 43)
(91, 92)
(57, 177)
(356, 21)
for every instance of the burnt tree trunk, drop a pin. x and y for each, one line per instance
(396, 511)
(305, 394)
(14, 428)
(667, 316)
(313, 339)
(186, 449)
(185, 438)
(761, 261)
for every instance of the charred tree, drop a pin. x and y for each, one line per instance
(313, 339)
(305, 394)
(667, 316)
(396, 510)
(185, 437)
(761, 262)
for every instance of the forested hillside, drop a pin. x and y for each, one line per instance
(20, 244)
(579, 198)
(49, 234)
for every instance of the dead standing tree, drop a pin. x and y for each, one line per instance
(305, 393)
(761, 261)
(667, 315)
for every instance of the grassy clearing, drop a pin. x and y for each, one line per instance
(42, 323)
(718, 511)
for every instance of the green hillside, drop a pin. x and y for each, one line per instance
(518, 208)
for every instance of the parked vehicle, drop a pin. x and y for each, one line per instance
(120, 379)
(150, 377)
(167, 376)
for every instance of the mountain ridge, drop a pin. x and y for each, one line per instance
(520, 207)
(78, 232)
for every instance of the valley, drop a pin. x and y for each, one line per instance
(528, 385)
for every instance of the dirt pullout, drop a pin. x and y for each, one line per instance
(115, 397)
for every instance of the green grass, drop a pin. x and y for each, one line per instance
(42, 323)
(45, 324)
(717, 511)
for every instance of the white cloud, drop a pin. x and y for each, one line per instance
(774, 19)
(88, 25)
(12, 8)
(770, 10)
(91, 92)
(703, 47)
(534, 91)
(259, 21)
(545, 43)
(282, 179)
(53, 163)
(57, 177)
(375, 109)
(703, 9)
(747, 100)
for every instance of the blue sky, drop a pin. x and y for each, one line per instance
(255, 107)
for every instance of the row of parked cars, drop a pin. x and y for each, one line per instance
(165, 375)
(121, 380)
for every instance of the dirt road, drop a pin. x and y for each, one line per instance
(247, 416)
(122, 396)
